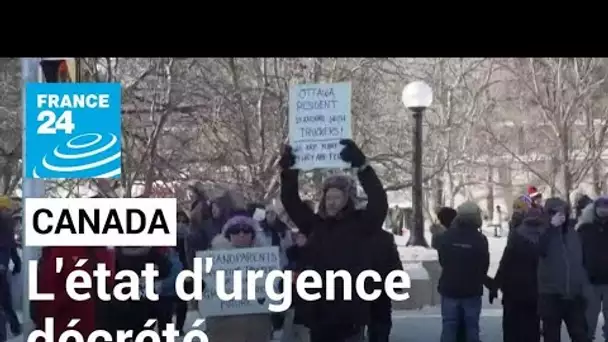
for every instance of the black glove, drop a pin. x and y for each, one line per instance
(351, 153)
(288, 159)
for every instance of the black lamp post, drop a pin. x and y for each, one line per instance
(417, 96)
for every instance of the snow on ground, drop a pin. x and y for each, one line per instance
(413, 256)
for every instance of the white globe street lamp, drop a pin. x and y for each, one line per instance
(417, 96)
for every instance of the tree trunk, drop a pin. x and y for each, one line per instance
(598, 183)
(596, 171)
(438, 195)
(505, 180)
(554, 174)
(438, 187)
(490, 193)
(567, 177)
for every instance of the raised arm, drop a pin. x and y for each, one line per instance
(377, 202)
(300, 213)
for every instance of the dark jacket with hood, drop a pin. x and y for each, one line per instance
(337, 243)
(594, 238)
(464, 256)
(560, 268)
(517, 274)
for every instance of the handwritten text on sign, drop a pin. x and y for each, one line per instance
(319, 116)
(264, 259)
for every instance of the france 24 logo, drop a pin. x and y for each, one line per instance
(72, 130)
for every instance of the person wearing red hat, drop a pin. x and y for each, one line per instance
(535, 196)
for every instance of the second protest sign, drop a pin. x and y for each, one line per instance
(242, 259)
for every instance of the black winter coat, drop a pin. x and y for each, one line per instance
(594, 238)
(340, 243)
(465, 258)
(517, 276)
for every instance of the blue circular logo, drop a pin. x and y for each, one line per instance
(89, 155)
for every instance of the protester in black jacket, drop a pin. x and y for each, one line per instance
(562, 278)
(464, 257)
(517, 279)
(593, 231)
(445, 216)
(338, 240)
(386, 260)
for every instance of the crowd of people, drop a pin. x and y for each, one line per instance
(339, 233)
(553, 270)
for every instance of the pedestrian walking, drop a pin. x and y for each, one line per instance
(464, 257)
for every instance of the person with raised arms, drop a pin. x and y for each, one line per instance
(338, 239)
